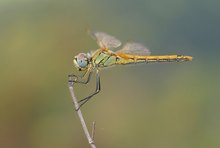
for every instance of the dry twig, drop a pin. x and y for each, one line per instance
(82, 121)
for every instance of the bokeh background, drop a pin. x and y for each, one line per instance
(164, 105)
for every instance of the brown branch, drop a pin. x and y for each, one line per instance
(82, 121)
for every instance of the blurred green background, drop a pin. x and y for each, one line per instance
(164, 105)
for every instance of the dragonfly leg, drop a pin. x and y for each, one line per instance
(84, 79)
(97, 90)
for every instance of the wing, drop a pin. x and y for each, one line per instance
(133, 48)
(105, 41)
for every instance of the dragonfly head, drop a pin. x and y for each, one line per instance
(81, 61)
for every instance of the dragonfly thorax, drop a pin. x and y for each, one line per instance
(81, 61)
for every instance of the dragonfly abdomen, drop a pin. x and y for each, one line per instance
(168, 58)
(133, 59)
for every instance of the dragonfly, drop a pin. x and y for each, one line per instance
(108, 55)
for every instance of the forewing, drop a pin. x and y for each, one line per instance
(133, 48)
(106, 41)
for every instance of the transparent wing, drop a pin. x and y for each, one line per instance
(134, 49)
(105, 41)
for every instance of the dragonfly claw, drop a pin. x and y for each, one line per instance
(73, 78)
(76, 109)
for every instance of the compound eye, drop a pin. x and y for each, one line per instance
(82, 62)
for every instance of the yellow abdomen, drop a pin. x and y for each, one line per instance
(129, 59)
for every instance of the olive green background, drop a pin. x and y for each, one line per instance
(163, 105)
